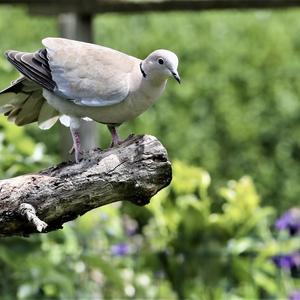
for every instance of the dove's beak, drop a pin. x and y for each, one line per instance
(176, 76)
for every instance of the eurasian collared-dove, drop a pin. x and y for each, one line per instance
(70, 80)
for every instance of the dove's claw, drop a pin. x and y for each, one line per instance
(71, 151)
(115, 143)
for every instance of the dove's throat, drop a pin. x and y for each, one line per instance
(153, 87)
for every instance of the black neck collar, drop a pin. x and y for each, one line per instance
(142, 70)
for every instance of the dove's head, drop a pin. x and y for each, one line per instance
(160, 65)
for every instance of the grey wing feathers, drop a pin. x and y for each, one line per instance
(35, 66)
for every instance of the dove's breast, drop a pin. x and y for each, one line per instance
(138, 101)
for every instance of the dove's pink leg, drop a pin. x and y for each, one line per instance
(115, 137)
(76, 142)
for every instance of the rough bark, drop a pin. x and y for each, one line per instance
(133, 171)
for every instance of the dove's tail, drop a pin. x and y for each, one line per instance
(23, 103)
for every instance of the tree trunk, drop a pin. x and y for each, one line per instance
(134, 171)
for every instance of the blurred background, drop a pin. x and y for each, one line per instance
(227, 227)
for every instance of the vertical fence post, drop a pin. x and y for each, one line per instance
(77, 27)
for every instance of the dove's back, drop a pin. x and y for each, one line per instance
(89, 74)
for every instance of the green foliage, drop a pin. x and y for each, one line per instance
(237, 109)
(19, 152)
(213, 253)
(185, 249)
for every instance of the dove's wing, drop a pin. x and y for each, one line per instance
(89, 74)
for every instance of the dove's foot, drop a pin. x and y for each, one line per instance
(119, 142)
(79, 155)
(114, 135)
(116, 142)
(76, 144)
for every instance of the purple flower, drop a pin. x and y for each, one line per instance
(283, 261)
(287, 261)
(295, 295)
(120, 249)
(289, 221)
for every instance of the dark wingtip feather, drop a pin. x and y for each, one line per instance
(34, 66)
(10, 54)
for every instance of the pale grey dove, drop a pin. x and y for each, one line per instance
(71, 80)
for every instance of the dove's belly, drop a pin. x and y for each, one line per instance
(121, 112)
(128, 109)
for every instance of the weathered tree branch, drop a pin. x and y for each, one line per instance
(134, 171)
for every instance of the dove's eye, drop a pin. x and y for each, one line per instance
(160, 61)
